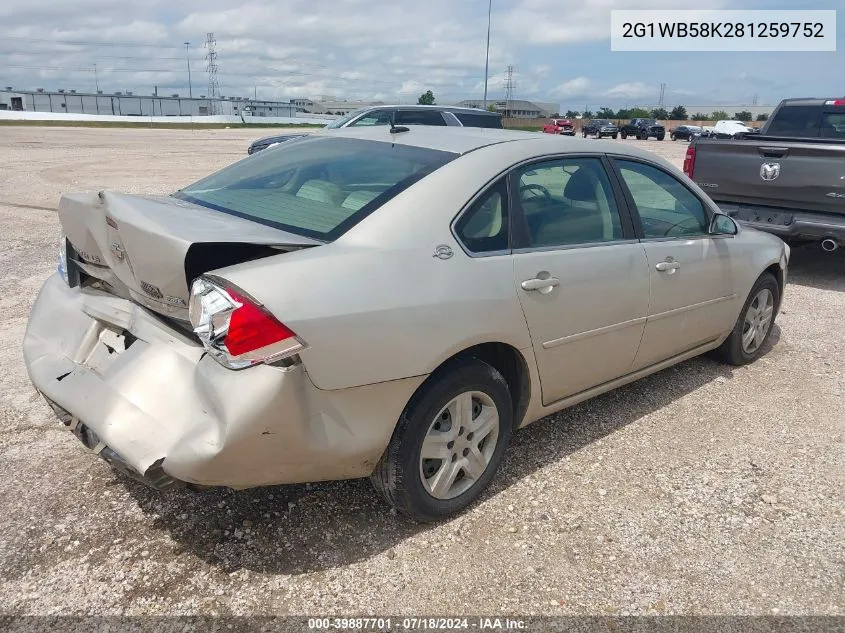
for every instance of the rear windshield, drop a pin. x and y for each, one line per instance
(808, 121)
(470, 119)
(318, 187)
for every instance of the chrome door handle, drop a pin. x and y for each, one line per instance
(668, 266)
(540, 284)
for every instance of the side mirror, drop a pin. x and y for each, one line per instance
(722, 224)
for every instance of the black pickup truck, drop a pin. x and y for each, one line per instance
(788, 180)
(643, 129)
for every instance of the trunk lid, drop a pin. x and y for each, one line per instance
(798, 175)
(150, 248)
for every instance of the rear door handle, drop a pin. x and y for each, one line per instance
(667, 266)
(773, 152)
(543, 285)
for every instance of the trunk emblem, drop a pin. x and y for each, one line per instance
(151, 290)
(769, 171)
(118, 252)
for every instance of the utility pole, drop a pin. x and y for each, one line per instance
(188, 56)
(487, 59)
(662, 92)
(96, 80)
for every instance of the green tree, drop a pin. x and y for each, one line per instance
(492, 108)
(426, 98)
(763, 117)
(606, 113)
(719, 115)
(744, 116)
(678, 113)
(623, 114)
(659, 113)
(639, 113)
(700, 116)
(588, 114)
(571, 114)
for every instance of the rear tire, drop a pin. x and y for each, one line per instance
(458, 404)
(615, 135)
(764, 296)
(661, 137)
(673, 137)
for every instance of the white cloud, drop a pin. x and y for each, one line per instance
(572, 89)
(632, 90)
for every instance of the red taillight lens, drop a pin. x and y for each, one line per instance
(235, 329)
(835, 102)
(251, 328)
(689, 162)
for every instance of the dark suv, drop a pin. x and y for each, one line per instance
(643, 129)
(441, 116)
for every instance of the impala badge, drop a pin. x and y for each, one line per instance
(118, 252)
(769, 171)
(442, 251)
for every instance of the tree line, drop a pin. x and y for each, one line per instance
(678, 113)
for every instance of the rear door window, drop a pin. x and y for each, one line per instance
(420, 117)
(469, 119)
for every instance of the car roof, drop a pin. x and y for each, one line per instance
(462, 140)
(439, 108)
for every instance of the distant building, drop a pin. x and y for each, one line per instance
(330, 105)
(516, 108)
(130, 104)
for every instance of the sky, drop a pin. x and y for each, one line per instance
(393, 51)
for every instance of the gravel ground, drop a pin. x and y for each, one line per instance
(700, 490)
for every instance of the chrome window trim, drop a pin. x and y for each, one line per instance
(569, 247)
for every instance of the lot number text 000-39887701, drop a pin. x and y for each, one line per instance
(690, 30)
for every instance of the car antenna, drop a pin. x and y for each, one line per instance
(393, 128)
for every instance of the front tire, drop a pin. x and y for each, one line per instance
(624, 135)
(754, 325)
(615, 135)
(673, 137)
(448, 442)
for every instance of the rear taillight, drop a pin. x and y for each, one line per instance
(689, 162)
(835, 102)
(235, 329)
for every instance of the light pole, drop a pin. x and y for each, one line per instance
(96, 81)
(487, 59)
(188, 56)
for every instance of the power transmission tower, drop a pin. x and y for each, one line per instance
(508, 90)
(662, 93)
(211, 68)
(754, 100)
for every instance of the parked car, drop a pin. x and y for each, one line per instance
(643, 129)
(559, 126)
(785, 179)
(600, 128)
(726, 129)
(370, 302)
(271, 141)
(685, 132)
(402, 115)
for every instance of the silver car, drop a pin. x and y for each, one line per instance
(385, 303)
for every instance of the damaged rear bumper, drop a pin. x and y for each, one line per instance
(151, 402)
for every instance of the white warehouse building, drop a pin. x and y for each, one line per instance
(130, 104)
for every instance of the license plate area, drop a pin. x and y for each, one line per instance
(759, 216)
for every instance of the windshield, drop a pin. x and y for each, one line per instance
(344, 120)
(317, 187)
(601, 122)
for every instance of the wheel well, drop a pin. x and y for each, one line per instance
(775, 271)
(509, 362)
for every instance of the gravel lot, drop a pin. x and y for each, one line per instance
(700, 490)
